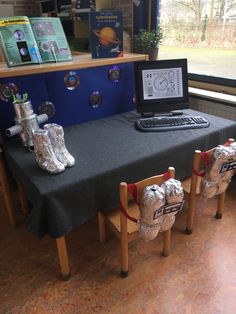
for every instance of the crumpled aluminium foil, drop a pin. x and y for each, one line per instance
(210, 189)
(233, 145)
(56, 135)
(221, 155)
(25, 121)
(44, 153)
(148, 232)
(214, 182)
(153, 198)
(174, 191)
(174, 194)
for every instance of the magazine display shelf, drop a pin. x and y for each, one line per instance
(80, 61)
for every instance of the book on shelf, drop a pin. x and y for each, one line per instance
(33, 40)
(106, 34)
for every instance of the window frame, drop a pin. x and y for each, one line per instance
(217, 84)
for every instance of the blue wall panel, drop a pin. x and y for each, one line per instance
(72, 106)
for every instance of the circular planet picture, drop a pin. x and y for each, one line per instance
(71, 80)
(45, 46)
(24, 51)
(7, 91)
(48, 108)
(18, 34)
(95, 99)
(107, 36)
(114, 74)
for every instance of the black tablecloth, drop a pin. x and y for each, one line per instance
(107, 151)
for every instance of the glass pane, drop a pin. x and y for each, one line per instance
(202, 31)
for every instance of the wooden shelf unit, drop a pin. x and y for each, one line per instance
(80, 61)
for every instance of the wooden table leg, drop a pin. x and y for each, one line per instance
(63, 258)
(7, 195)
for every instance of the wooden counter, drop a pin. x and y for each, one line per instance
(80, 61)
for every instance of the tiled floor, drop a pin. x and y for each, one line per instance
(199, 277)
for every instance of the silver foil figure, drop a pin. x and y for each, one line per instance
(174, 194)
(210, 189)
(173, 190)
(215, 182)
(26, 121)
(44, 152)
(233, 145)
(56, 135)
(221, 155)
(153, 200)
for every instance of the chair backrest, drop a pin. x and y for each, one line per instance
(135, 190)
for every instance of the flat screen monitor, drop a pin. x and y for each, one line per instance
(161, 86)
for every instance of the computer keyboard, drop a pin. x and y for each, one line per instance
(163, 123)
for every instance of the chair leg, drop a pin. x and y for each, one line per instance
(220, 205)
(193, 191)
(101, 227)
(7, 195)
(124, 246)
(63, 258)
(166, 242)
(190, 214)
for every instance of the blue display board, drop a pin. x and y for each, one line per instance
(72, 105)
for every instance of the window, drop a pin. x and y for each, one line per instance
(204, 32)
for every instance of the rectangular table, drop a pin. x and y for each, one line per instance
(107, 151)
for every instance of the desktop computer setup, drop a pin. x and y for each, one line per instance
(161, 92)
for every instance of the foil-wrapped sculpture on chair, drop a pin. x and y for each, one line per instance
(158, 207)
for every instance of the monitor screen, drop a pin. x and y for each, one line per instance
(161, 85)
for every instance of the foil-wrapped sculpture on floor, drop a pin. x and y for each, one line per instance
(158, 207)
(25, 121)
(218, 174)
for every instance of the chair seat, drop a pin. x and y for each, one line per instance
(113, 218)
(186, 183)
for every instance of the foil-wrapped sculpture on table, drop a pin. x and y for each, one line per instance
(49, 148)
(47, 143)
(25, 121)
(217, 174)
(158, 207)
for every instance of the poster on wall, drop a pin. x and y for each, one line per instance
(106, 34)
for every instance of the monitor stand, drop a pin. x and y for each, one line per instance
(161, 114)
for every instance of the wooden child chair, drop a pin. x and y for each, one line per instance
(123, 221)
(192, 185)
